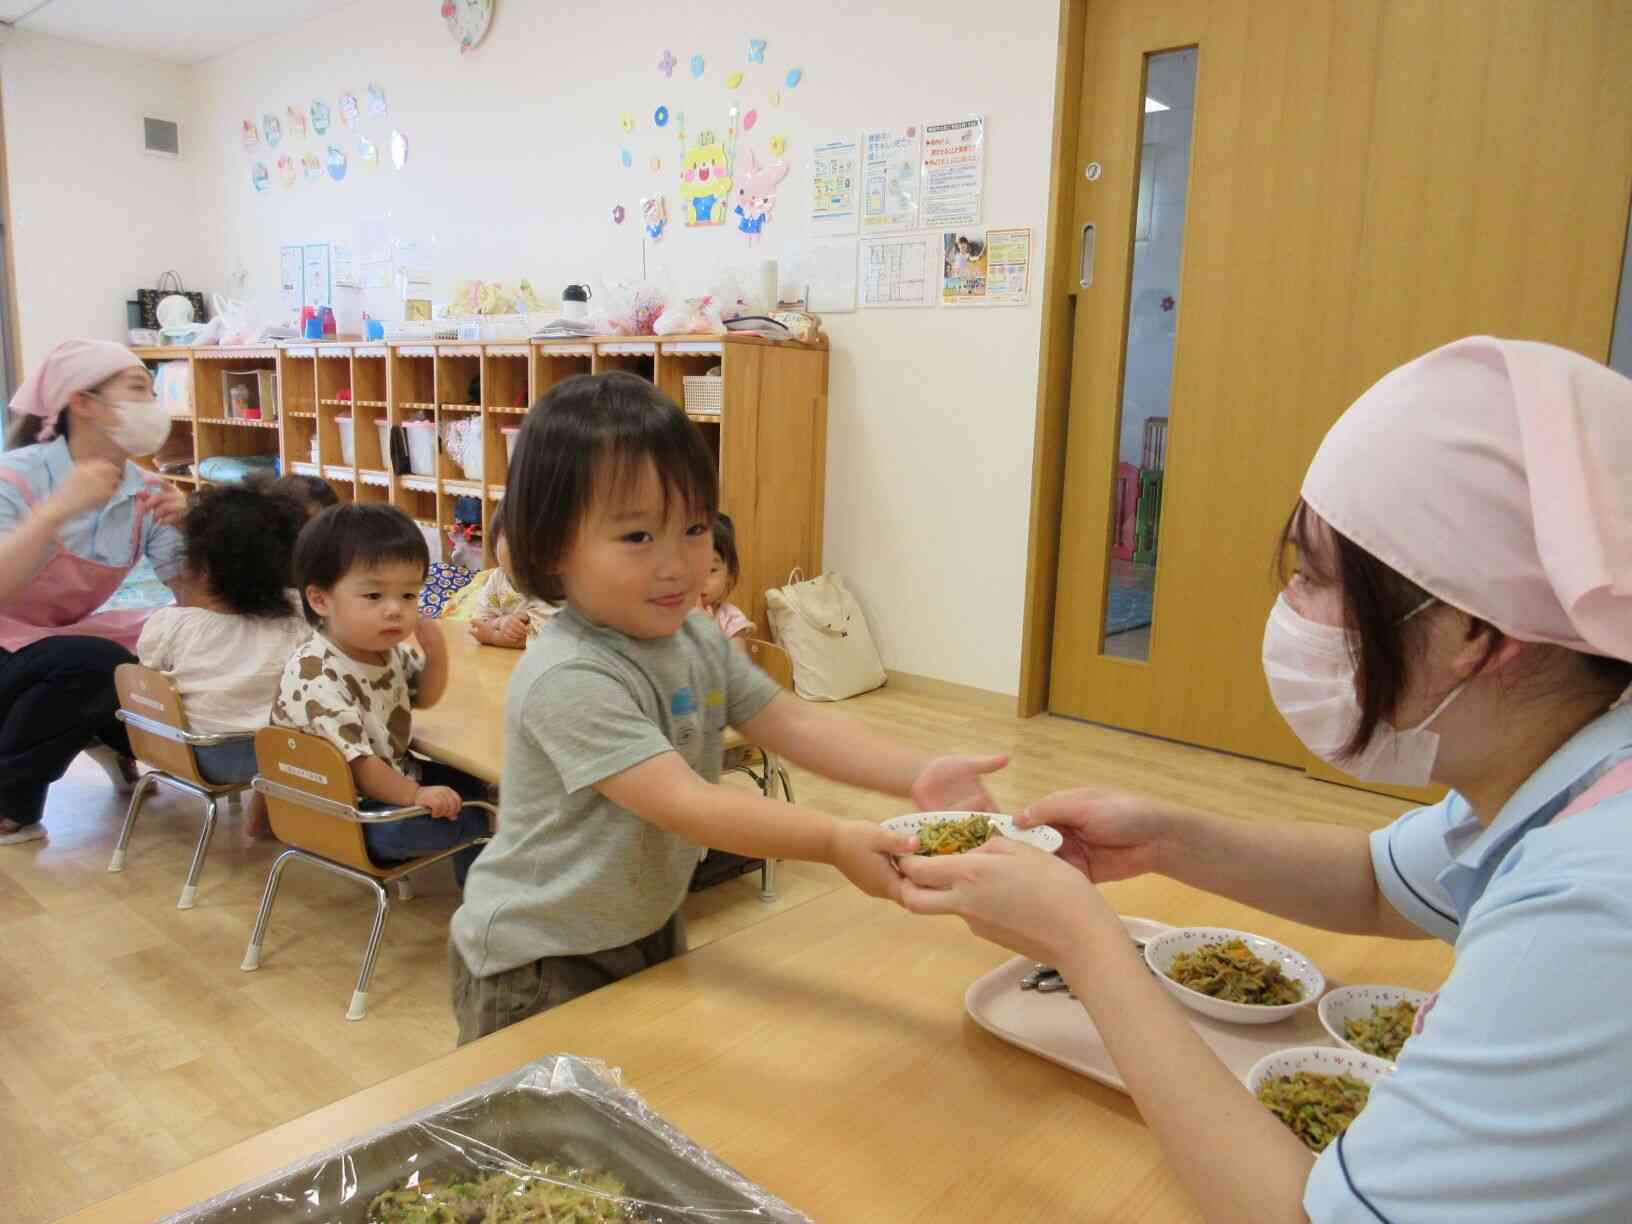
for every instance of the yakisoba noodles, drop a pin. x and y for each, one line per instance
(1228, 970)
(955, 835)
(551, 1194)
(1317, 1108)
(1384, 1031)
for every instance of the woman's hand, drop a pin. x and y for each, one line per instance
(1010, 893)
(90, 485)
(166, 503)
(952, 784)
(1109, 835)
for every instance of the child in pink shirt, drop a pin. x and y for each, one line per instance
(722, 577)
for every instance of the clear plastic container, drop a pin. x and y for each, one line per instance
(564, 1110)
(509, 432)
(348, 441)
(421, 447)
(383, 428)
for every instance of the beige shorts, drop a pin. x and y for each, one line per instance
(484, 1005)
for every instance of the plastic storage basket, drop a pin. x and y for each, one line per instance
(703, 393)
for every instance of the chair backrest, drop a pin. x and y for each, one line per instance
(149, 694)
(309, 763)
(773, 660)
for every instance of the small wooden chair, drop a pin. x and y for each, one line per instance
(159, 737)
(759, 763)
(312, 802)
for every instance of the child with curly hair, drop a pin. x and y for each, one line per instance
(236, 619)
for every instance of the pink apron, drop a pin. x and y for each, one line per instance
(62, 596)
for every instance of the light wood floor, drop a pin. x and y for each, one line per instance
(137, 1045)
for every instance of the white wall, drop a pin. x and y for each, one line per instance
(514, 169)
(93, 217)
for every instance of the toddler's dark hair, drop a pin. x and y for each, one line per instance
(241, 540)
(590, 435)
(354, 535)
(313, 492)
(725, 543)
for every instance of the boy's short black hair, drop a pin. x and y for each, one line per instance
(313, 492)
(725, 543)
(585, 430)
(241, 540)
(354, 535)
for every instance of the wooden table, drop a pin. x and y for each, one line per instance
(466, 728)
(826, 1055)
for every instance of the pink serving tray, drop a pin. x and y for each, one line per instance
(1057, 1027)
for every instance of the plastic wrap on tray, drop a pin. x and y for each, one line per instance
(564, 1112)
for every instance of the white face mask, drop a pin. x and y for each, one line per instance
(1311, 677)
(141, 427)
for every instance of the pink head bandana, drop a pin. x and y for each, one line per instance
(1496, 475)
(74, 365)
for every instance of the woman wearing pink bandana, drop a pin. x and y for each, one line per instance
(75, 515)
(1462, 613)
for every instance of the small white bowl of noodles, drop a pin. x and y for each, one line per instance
(1316, 1090)
(1234, 975)
(1373, 1020)
(941, 833)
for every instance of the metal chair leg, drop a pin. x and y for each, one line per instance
(767, 880)
(774, 774)
(189, 890)
(144, 788)
(382, 911)
(252, 954)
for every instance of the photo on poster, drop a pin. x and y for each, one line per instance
(963, 266)
(985, 267)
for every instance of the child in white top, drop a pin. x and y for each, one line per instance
(723, 573)
(502, 615)
(234, 625)
(359, 568)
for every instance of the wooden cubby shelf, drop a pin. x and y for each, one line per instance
(769, 435)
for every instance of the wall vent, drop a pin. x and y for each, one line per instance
(161, 137)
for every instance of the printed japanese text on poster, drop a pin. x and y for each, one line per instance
(889, 177)
(835, 187)
(954, 171)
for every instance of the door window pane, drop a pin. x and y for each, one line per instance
(1147, 364)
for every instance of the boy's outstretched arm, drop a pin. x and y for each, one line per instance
(837, 747)
(665, 791)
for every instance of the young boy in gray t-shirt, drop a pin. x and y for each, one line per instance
(614, 717)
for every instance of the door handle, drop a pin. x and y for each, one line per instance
(1085, 271)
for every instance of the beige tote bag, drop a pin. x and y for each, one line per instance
(818, 622)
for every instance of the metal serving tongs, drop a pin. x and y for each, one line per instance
(1045, 979)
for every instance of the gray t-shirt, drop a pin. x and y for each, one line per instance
(570, 872)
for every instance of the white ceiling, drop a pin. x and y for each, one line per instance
(180, 31)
